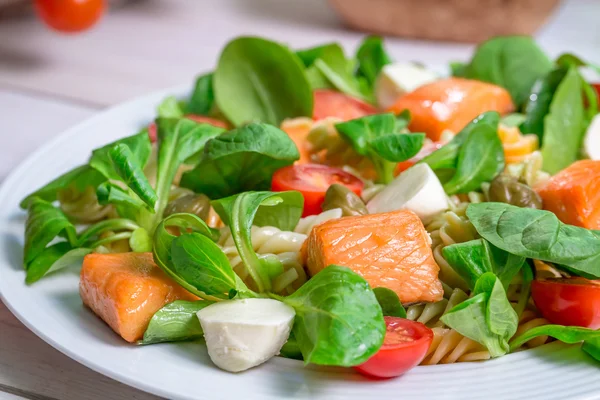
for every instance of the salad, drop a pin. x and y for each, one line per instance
(354, 212)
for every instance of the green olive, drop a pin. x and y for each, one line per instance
(506, 189)
(197, 204)
(339, 196)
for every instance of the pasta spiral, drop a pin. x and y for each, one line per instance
(448, 228)
(283, 246)
(529, 171)
(82, 207)
(269, 242)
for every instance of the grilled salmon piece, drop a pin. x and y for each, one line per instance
(126, 289)
(451, 104)
(391, 250)
(574, 194)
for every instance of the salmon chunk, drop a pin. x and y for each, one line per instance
(574, 194)
(126, 289)
(389, 250)
(451, 104)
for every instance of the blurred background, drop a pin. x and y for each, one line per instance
(142, 45)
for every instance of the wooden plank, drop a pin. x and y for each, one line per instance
(31, 368)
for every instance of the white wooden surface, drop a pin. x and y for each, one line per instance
(153, 44)
(49, 82)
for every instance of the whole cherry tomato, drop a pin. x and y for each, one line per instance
(70, 15)
(568, 301)
(405, 345)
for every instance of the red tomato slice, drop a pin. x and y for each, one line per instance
(70, 15)
(424, 152)
(198, 118)
(569, 301)
(405, 345)
(329, 103)
(313, 180)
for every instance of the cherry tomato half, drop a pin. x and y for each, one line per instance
(313, 180)
(198, 118)
(329, 103)
(568, 301)
(424, 152)
(596, 86)
(405, 345)
(70, 15)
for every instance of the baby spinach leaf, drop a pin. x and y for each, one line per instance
(480, 159)
(203, 97)
(474, 258)
(339, 72)
(458, 69)
(513, 119)
(177, 321)
(291, 349)
(338, 320)
(389, 302)
(398, 147)
(566, 334)
(240, 212)
(487, 317)
(79, 178)
(54, 258)
(310, 55)
(564, 125)
(139, 145)
(447, 156)
(163, 244)
(127, 204)
(377, 137)
(241, 159)
(132, 174)
(140, 241)
(257, 79)
(592, 347)
(199, 262)
(44, 223)
(513, 62)
(539, 100)
(372, 57)
(178, 140)
(538, 234)
(170, 108)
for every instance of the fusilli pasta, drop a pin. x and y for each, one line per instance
(529, 171)
(448, 228)
(284, 246)
(83, 207)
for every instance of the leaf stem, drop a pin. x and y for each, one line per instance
(110, 239)
(109, 224)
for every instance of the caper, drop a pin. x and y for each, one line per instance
(506, 189)
(197, 204)
(339, 196)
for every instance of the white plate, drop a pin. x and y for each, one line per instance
(53, 310)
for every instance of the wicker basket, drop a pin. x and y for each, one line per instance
(455, 20)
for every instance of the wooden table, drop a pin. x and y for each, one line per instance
(50, 82)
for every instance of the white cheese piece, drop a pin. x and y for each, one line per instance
(242, 334)
(396, 79)
(417, 189)
(591, 143)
